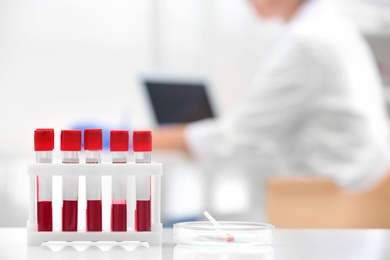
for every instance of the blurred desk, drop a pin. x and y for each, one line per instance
(299, 244)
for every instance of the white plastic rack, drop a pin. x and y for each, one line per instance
(154, 237)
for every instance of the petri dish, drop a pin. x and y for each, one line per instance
(228, 234)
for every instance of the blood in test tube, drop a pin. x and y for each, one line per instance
(70, 147)
(69, 215)
(143, 215)
(94, 215)
(119, 147)
(45, 216)
(93, 145)
(118, 216)
(142, 147)
(43, 146)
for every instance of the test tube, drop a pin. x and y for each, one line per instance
(93, 147)
(142, 147)
(70, 147)
(119, 147)
(43, 146)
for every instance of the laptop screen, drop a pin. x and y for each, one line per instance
(178, 101)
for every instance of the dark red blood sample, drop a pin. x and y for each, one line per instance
(118, 217)
(69, 215)
(142, 216)
(94, 215)
(45, 216)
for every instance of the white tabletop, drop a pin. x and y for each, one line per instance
(289, 244)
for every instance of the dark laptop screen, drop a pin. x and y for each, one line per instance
(178, 102)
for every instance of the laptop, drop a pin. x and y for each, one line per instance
(177, 99)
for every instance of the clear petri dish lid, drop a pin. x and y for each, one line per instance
(228, 234)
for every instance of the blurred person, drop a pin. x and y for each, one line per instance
(314, 107)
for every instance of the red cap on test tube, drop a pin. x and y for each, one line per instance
(142, 141)
(93, 139)
(71, 140)
(44, 139)
(119, 140)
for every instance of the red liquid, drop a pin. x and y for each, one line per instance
(230, 239)
(45, 216)
(142, 216)
(69, 215)
(118, 217)
(94, 215)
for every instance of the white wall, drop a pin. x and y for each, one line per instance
(65, 61)
(222, 39)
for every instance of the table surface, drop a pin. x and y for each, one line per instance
(289, 244)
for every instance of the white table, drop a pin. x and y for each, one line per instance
(289, 244)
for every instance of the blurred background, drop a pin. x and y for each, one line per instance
(79, 61)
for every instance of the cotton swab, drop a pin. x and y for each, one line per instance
(229, 237)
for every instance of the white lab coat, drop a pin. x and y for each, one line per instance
(315, 108)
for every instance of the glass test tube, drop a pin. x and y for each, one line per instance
(93, 147)
(119, 147)
(142, 147)
(70, 147)
(43, 146)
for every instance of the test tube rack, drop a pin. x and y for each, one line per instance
(154, 170)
